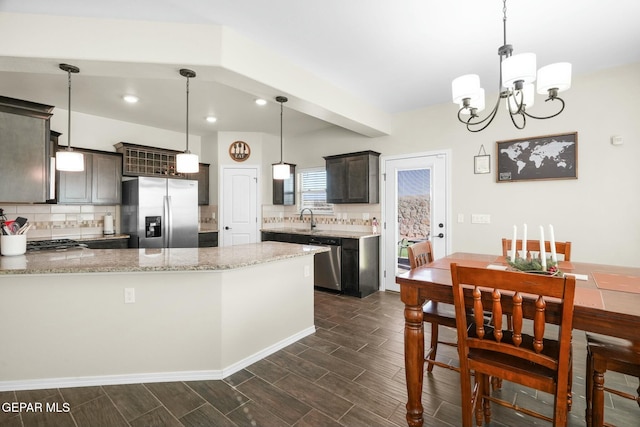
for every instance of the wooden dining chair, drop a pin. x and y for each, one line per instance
(562, 248)
(608, 354)
(437, 314)
(539, 361)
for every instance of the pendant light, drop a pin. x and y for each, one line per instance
(68, 160)
(187, 162)
(281, 170)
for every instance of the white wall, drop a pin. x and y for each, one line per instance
(599, 212)
(100, 133)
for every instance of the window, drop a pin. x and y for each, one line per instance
(313, 191)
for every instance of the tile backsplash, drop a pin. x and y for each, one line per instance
(63, 221)
(344, 218)
(79, 221)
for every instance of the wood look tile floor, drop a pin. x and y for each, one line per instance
(349, 373)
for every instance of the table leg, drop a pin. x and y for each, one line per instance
(414, 360)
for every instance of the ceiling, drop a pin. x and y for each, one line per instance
(395, 56)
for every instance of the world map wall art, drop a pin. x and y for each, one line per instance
(540, 157)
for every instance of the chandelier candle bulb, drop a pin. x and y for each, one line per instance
(524, 242)
(552, 241)
(543, 253)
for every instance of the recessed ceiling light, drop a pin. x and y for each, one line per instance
(131, 99)
(211, 119)
(261, 101)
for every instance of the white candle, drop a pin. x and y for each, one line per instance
(552, 242)
(524, 242)
(543, 253)
(514, 252)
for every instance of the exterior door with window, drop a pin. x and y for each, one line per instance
(415, 209)
(239, 222)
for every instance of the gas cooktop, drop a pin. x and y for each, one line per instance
(53, 245)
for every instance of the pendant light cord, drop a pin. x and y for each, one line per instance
(281, 100)
(281, 113)
(187, 115)
(69, 113)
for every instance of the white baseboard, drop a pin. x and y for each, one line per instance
(155, 377)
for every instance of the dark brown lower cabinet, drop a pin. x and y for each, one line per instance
(360, 260)
(208, 239)
(106, 243)
(360, 266)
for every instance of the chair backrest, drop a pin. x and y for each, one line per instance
(420, 253)
(562, 248)
(531, 298)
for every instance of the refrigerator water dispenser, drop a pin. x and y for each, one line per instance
(153, 226)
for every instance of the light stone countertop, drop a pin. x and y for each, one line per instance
(167, 259)
(325, 233)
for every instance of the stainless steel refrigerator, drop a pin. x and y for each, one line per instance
(160, 212)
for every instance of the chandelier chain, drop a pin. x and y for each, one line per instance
(504, 21)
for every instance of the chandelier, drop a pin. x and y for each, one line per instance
(517, 74)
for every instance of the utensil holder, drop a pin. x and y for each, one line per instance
(11, 245)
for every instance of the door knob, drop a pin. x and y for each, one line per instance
(227, 228)
(441, 235)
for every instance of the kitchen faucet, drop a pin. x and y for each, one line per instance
(313, 224)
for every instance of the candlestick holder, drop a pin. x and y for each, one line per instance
(534, 265)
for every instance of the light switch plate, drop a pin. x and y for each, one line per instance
(480, 218)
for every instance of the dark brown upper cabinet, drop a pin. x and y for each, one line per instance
(284, 190)
(353, 177)
(25, 146)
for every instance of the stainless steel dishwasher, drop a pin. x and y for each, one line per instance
(327, 266)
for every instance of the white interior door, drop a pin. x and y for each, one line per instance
(239, 222)
(415, 208)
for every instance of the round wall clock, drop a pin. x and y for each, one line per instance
(239, 151)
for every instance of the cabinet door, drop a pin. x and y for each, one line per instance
(75, 187)
(24, 159)
(350, 267)
(203, 183)
(208, 239)
(106, 180)
(357, 178)
(336, 185)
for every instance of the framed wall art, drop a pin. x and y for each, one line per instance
(540, 157)
(239, 151)
(482, 162)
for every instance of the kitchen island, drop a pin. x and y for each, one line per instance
(106, 316)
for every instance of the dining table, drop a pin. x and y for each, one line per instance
(607, 301)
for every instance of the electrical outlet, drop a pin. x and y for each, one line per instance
(365, 216)
(129, 295)
(307, 271)
(460, 218)
(213, 215)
